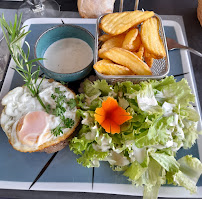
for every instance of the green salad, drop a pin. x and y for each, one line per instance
(163, 121)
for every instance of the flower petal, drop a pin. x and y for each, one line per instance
(110, 126)
(119, 115)
(99, 118)
(110, 104)
(99, 115)
(100, 111)
(115, 128)
(106, 125)
(110, 116)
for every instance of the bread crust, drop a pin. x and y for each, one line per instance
(94, 8)
(199, 11)
(50, 146)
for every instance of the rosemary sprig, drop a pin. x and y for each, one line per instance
(14, 34)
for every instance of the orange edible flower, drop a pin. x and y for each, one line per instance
(110, 116)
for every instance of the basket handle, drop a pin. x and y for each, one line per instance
(122, 2)
(136, 4)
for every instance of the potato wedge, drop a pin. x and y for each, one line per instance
(117, 23)
(105, 37)
(140, 52)
(137, 43)
(129, 39)
(149, 61)
(147, 54)
(128, 59)
(115, 41)
(151, 38)
(148, 58)
(107, 67)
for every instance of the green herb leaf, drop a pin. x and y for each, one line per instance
(71, 103)
(15, 34)
(59, 111)
(68, 123)
(57, 131)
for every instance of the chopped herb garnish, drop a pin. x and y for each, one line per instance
(71, 103)
(57, 131)
(63, 83)
(59, 111)
(68, 123)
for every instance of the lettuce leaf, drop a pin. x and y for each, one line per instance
(178, 93)
(151, 177)
(169, 163)
(164, 120)
(135, 171)
(151, 193)
(90, 90)
(190, 138)
(159, 130)
(103, 86)
(80, 143)
(189, 173)
(91, 157)
(146, 100)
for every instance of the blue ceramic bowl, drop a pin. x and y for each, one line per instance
(57, 33)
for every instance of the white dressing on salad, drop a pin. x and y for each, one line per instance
(175, 146)
(146, 100)
(103, 142)
(180, 132)
(117, 159)
(95, 163)
(169, 144)
(90, 135)
(117, 150)
(167, 109)
(104, 147)
(135, 153)
(175, 121)
(88, 119)
(90, 99)
(159, 96)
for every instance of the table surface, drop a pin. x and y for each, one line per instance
(188, 10)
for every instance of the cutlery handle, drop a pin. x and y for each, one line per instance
(194, 51)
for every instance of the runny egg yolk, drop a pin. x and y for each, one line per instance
(31, 126)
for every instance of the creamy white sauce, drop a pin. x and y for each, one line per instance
(68, 55)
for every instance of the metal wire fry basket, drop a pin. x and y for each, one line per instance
(160, 67)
